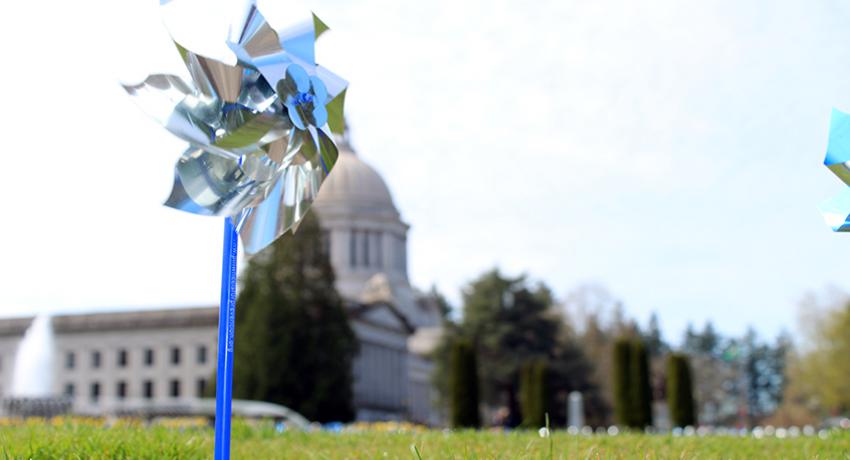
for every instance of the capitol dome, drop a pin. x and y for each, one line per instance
(355, 185)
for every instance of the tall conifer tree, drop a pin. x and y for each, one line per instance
(294, 345)
(641, 392)
(680, 399)
(463, 384)
(622, 382)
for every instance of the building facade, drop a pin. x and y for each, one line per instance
(109, 362)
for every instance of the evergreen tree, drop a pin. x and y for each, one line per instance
(640, 390)
(690, 342)
(764, 367)
(463, 382)
(440, 300)
(680, 400)
(653, 337)
(706, 343)
(294, 345)
(709, 340)
(622, 382)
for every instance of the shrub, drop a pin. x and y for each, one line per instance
(463, 386)
(641, 392)
(680, 399)
(621, 382)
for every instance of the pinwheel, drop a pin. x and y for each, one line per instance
(261, 142)
(836, 211)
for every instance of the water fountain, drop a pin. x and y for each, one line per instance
(32, 377)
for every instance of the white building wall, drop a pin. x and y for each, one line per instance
(8, 348)
(380, 373)
(83, 375)
(421, 394)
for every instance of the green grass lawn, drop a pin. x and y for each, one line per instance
(82, 440)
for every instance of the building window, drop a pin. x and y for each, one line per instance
(147, 389)
(201, 388)
(69, 390)
(365, 237)
(95, 359)
(202, 354)
(352, 249)
(95, 391)
(400, 257)
(175, 355)
(122, 358)
(175, 388)
(121, 389)
(70, 359)
(379, 249)
(148, 357)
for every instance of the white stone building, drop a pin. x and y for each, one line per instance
(109, 362)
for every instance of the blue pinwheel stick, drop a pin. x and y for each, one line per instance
(226, 329)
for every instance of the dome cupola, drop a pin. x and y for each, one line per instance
(362, 226)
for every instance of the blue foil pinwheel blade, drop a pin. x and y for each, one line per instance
(292, 194)
(838, 151)
(836, 211)
(259, 130)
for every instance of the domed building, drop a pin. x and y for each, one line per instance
(160, 361)
(395, 324)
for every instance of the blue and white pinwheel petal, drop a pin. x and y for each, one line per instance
(838, 150)
(212, 185)
(334, 84)
(299, 41)
(159, 94)
(836, 211)
(320, 115)
(257, 45)
(304, 96)
(320, 92)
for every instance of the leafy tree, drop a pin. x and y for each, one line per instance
(294, 344)
(640, 391)
(680, 400)
(599, 319)
(595, 342)
(822, 368)
(464, 411)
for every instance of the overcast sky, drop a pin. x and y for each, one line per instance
(669, 150)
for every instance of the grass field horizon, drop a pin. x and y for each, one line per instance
(66, 439)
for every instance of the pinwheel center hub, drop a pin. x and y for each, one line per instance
(303, 98)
